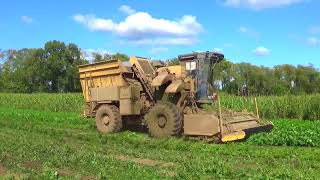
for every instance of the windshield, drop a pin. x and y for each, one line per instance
(204, 78)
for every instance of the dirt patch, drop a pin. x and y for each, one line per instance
(65, 172)
(246, 165)
(296, 163)
(3, 170)
(89, 178)
(169, 173)
(33, 165)
(147, 162)
(150, 162)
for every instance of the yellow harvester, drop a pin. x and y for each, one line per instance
(167, 99)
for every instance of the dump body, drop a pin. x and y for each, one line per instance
(102, 75)
(104, 83)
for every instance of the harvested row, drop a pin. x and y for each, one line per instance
(286, 132)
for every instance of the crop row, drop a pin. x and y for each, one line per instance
(294, 107)
(305, 107)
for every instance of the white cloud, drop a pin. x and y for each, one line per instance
(313, 41)
(260, 4)
(143, 28)
(261, 51)
(27, 19)
(142, 24)
(127, 9)
(95, 24)
(158, 50)
(314, 29)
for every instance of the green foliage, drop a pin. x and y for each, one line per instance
(280, 80)
(44, 136)
(42, 145)
(290, 133)
(293, 107)
(70, 102)
(98, 57)
(53, 68)
(270, 107)
(120, 56)
(173, 62)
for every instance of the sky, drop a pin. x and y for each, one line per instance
(261, 32)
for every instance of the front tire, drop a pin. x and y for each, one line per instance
(164, 120)
(108, 119)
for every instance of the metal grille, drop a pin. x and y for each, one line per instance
(146, 66)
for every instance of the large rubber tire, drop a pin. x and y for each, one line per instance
(108, 119)
(164, 120)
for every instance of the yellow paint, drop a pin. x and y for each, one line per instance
(101, 74)
(133, 60)
(233, 136)
(179, 71)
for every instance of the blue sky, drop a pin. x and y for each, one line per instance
(262, 32)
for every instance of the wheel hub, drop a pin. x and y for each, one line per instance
(106, 120)
(162, 121)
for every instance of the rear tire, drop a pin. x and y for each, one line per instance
(164, 120)
(108, 119)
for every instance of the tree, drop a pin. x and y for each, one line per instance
(121, 57)
(53, 68)
(73, 57)
(173, 61)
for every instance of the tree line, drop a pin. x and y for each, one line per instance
(258, 80)
(54, 68)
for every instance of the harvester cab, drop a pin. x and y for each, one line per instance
(200, 66)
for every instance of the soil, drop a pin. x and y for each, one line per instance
(147, 162)
(3, 170)
(89, 178)
(32, 165)
(65, 172)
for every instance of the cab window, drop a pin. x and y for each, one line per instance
(190, 66)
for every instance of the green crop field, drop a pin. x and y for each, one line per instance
(44, 136)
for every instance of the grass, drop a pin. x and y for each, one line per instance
(71, 102)
(44, 136)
